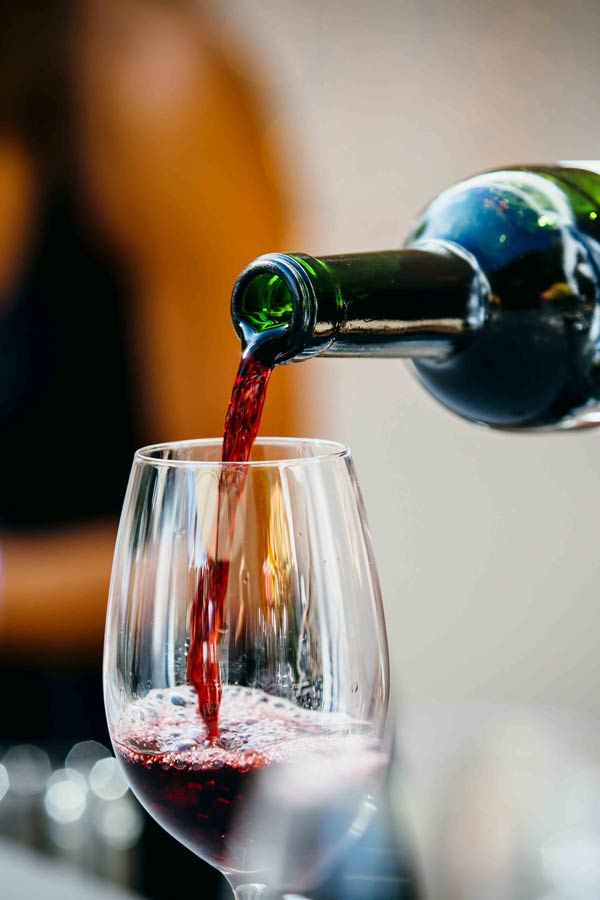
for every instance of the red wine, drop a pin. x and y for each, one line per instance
(204, 793)
(241, 426)
(245, 408)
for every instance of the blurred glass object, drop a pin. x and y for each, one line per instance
(117, 828)
(65, 799)
(120, 823)
(84, 756)
(4, 782)
(503, 801)
(28, 768)
(21, 811)
(107, 781)
(66, 808)
(81, 813)
(377, 864)
(571, 864)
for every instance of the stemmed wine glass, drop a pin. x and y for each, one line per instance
(300, 644)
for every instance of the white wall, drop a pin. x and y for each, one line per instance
(487, 544)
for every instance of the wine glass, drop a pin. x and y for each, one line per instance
(298, 646)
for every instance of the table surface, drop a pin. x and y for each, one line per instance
(25, 875)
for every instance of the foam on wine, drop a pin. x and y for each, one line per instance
(255, 729)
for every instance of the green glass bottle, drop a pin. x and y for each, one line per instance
(494, 298)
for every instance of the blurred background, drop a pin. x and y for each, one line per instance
(148, 150)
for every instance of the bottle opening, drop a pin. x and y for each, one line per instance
(266, 303)
(274, 307)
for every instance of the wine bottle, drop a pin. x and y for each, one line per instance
(494, 298)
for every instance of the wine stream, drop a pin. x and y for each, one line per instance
(241, 426)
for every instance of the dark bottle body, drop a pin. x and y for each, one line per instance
(536, 236)
(495, 298)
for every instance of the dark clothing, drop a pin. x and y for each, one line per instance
(67, 420)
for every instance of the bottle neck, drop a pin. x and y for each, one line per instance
(414, 303)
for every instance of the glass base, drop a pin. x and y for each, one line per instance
(252, 892)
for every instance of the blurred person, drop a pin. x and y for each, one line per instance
(135, 183)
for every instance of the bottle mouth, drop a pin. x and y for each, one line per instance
(272, 305)
(266, 303)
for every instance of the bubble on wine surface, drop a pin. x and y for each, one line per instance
(253, 724)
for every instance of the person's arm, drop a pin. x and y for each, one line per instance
(54, 588)
(17, 210)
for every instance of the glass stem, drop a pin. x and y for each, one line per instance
(252, 892)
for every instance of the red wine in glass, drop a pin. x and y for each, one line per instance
(204, 794)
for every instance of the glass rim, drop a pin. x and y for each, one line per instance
(331, 450)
